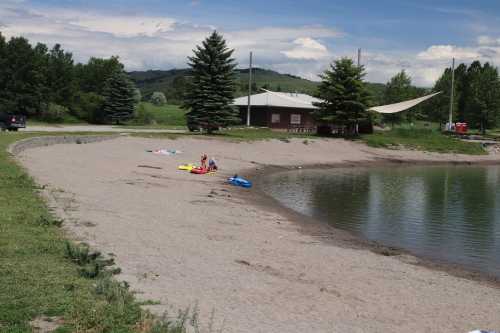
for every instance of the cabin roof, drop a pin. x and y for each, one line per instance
(279, 99)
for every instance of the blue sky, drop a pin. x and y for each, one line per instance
(297, 37)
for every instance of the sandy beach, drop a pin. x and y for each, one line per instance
(184, 239)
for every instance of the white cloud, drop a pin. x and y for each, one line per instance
(145, 42)
(157, 42)
(446, 52)
(488, 41)
(125, 26)
(308, 49)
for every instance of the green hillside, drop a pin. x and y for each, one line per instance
(173, 83)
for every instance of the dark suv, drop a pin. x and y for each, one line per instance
(11, 122)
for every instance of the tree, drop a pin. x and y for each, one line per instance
(22, 77)
(158, 98)
(438, 108)
(344, 95)
(482, 93)
(398, 89)
(211, 90)
(119, 97)
(179, 85)
(60, 80)
(93, 75)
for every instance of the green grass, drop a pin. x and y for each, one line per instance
(235, 134)
(255, 134)
(67, 119)
(166, 116)
(422, 139)
(42, 274)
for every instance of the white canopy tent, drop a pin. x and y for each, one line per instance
(402, 106)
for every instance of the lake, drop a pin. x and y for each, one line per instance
(446, 213)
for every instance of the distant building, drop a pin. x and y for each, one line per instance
(278, 110)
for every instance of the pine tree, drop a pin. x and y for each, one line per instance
(211, 90)
(344, 95)
(119, 98)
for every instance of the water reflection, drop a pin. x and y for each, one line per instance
(447, 213)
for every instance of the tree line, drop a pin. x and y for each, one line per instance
(49, 85)
(476, 100)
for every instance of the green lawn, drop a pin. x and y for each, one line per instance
(37, 277)
(422, 139)
(152, 116)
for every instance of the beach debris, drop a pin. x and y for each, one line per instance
(242, 262)
(149, 167)
(166, 152)
(482, 331)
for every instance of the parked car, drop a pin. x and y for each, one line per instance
(12, 122)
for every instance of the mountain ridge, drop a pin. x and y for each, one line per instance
(173, 82)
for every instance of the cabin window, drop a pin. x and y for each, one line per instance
(275, 118)
(295, 119)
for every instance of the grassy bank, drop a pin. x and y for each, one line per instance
(41, 274)
(422, 139)
(153, 116)
(237, 134)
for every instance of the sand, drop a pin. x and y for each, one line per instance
(185, 239)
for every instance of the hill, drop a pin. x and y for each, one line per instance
(173, 82)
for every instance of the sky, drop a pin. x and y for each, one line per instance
(295, 37)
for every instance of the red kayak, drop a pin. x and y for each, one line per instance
(199, 171)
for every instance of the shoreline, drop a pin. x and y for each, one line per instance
(184, 239)
(339, 237)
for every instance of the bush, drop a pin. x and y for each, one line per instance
(88, 106)
(137, 96)
(158, 98)
(143, 116)
(54, 113)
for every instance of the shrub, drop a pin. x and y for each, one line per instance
(137, 96)
(88, 106)
(158, 98)
(143, 116)
(54, 113)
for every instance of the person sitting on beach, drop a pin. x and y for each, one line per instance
(204, 161)
(212, 164)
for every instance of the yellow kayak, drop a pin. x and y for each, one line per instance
(186, 167)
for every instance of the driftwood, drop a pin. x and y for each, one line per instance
(149, 167)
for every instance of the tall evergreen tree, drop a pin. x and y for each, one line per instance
(119, 98)
(211, 90)
(344, 95)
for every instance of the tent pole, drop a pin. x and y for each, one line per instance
(249, 90)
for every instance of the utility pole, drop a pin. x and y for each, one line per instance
(450, 120)
(356, 128)
(249, 89)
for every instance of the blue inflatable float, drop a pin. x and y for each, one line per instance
(238, 181)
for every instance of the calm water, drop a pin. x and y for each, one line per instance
(446, 213)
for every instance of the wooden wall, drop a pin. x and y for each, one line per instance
(262, 117)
